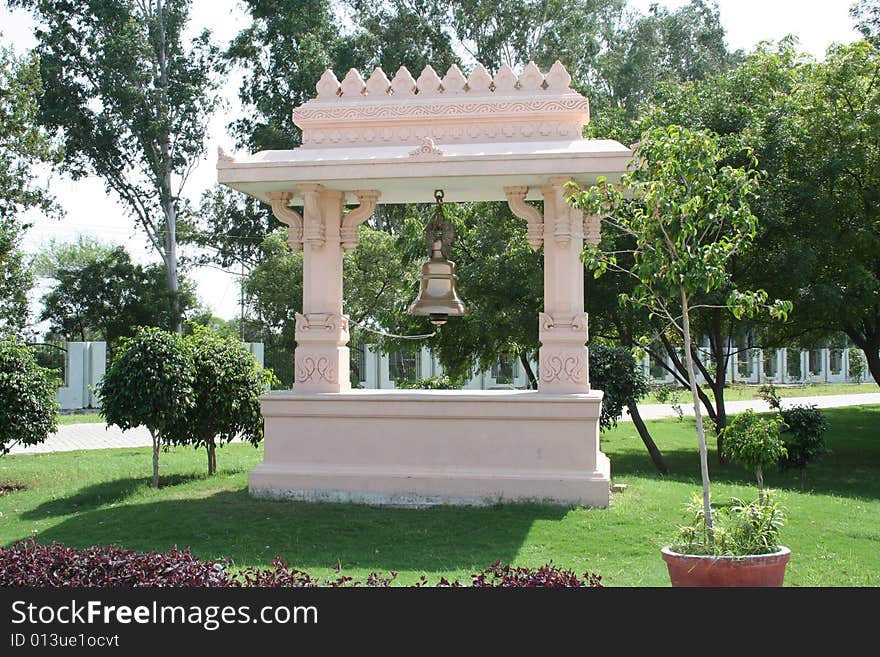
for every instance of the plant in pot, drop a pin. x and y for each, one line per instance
(676, 221)
(745, 550)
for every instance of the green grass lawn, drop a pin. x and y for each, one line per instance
(80, 418)
(743, 392)
(103, 496)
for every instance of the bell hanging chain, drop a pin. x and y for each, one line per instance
(439, 229)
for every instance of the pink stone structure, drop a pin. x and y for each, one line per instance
(480, 138)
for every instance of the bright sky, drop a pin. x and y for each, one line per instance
(90, 210)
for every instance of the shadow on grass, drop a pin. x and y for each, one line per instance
(245, 530)
(106, 492)
(846, 471)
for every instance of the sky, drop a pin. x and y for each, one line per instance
(90, 210)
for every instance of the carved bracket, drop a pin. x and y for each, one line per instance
(569, 222)
(516, 201)
(592, 229)
(355, 217)
(289, 217)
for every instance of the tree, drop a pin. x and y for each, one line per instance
(22, 146)
(866, 14)
(98, 293)
(833, 184)
(746, 106)
(131, 101)
(754, 442)
(28, 410)
(689, 215)
(615, 372)
(227, 384)
(149, 383)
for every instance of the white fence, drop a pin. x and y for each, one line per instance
(380, 370)
(84, 366)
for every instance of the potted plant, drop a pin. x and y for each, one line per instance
(745, 549)
(675, 223)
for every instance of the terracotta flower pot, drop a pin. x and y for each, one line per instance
(700, 570)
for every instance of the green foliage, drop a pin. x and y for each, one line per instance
(23, 144)
(615, 372)
(857, 365)
(753, 440)
(226, 386)
(149, 383)
(690, 217)
(28, 409)
(804, 438)
(97, 292)
(432, 383)
(740, 529)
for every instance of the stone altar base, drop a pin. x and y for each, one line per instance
(423, 447)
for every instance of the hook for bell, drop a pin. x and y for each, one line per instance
(438, 297)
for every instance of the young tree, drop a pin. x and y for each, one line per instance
(227, 384)
(131, 101)
(688, 215)
(754, 442)
(746, 106)
(28, 410)
(150, 383)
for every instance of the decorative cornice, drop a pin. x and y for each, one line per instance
(367, 200)
(289, 217)
(428, 150)
(353, 88)
(516, 201)
(479, 108)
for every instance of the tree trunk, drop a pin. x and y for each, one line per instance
(169, 205)
(212, 457)
(759, 475)
(653, 450)
(873, 359)
(155, 437)
(701, 435)
(527, 366)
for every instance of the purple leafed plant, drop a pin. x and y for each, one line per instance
(28, 563)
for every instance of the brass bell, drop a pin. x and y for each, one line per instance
(438, 298)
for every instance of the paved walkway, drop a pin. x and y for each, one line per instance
(72, 437)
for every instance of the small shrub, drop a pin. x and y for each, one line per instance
(741, 528)
(804, 439)
(431, 383)
(28, 563)
(753, 441)
(857, 365)
(149, 383)
(28, 410)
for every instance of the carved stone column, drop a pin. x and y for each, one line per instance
(563, 361)
(321, 360)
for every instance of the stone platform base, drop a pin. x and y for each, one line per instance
(407, 447)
